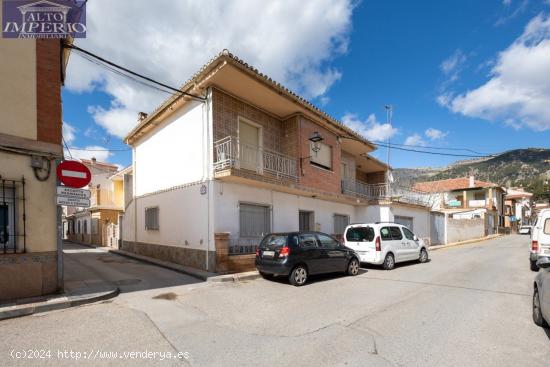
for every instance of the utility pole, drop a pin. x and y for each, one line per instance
(389, 112)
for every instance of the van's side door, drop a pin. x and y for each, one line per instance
(399, 243)
(412, 247)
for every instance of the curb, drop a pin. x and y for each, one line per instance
(237, 277)
(58, 303)
(455, 244)
(199, 274)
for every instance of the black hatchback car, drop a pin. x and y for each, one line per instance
(301, 254)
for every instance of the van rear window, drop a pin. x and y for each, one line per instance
(360, 234)
(547, 226)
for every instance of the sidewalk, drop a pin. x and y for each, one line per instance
(454, 244)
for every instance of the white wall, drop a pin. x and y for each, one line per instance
(421, 219)
(183, 219)
(175, 154)
(285, 208)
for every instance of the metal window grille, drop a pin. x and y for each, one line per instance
(255, 220)
(152, 218)
(340, 223)
(12, 216)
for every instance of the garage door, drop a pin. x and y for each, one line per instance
(406, 221)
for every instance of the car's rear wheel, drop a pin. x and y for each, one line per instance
(389, 262)
(534, 266)
(537, 312)
(353, 267)
(423, 256)
(298, 276)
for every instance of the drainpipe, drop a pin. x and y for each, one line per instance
(208, 162)
(134, 179)
(59, 213)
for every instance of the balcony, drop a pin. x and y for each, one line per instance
(384, 191)
(230, 153)
(476, 203)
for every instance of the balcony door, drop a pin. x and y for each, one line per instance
(250, 143)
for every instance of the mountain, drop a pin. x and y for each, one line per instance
(528, 168)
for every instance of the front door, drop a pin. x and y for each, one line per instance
(249, 146)
(306, 221)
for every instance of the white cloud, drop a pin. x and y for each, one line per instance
(69, 133)
(293, 42)
(93, 151)
(520, 9)
(370, 128)
(452, 66)
(518, 92)
(435, 134)
(506, 2)
(416, 140)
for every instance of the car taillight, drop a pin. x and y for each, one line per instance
(257, 251)
(284, 252)
(378, 244)
(534, 245)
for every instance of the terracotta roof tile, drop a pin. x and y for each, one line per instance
(451, 184)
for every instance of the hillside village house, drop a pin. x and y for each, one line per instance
(517, 207)
(464, 198)
(30, 143)
(98, 224)
(213, 173)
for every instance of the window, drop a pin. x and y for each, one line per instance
(547, 226)
(327, 242)
(152, 218)
(85, 226)
(408, 234)
(396, 233)
(323, 157)
(306, 221)
(273, 241)
(385, 234)
(4, 224)
(78, 227)
(360, 234)
(254, 220)
(95, 225)
(479, 196)
(340, 223)
(308, 241)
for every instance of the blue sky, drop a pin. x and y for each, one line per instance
(460, 74)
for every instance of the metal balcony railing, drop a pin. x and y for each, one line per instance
(229, 152)
(386, 191)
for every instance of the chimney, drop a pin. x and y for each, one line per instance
(142, 116)
(472, 180)
(94, 160)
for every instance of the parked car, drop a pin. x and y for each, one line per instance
(540, 239)
(385, 244)
(297, 255)
(524, 229)
(541, 293)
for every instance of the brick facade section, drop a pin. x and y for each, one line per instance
(48, 90)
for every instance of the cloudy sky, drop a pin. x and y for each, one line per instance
(462, 74)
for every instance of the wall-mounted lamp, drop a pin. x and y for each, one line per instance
(316, 139)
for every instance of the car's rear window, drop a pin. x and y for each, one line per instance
(547, 226)
(273, 241)
(360, 234)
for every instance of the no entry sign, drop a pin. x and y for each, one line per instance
(73, 174)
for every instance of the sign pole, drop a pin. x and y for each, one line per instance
(60, 270)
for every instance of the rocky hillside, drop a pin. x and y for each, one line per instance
(528, 168)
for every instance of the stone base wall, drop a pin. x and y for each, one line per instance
(226, 263)
(27, 275)
(178, 255)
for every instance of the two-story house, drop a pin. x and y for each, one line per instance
(517, 207)
(237, 155)
(95, 225)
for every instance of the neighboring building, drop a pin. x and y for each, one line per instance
(98, 224)
(465, 198)
(30, 142)
(517, 208)
(212, 174)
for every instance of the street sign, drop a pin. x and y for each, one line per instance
(69, 201)
(73, 174)
(70, 192)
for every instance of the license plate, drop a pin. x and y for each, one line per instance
(268, 253)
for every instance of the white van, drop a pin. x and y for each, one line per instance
(385, 244)
(540, 239)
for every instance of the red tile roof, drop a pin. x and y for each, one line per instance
(451, 185)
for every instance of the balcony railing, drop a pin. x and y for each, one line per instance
(229, 152)
(386, 191)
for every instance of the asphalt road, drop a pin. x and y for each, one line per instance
(469, 306)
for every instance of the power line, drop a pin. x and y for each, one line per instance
(100, 150)
(66, 147)
(431, 147)
(104, 61)
(433, 153)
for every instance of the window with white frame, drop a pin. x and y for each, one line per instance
(254, 220)
(341, 221)
(323, 157)
(152, 218)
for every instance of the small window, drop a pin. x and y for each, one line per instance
(321, 158)
(254, 220)
(95, 225)
(85, 226)
(547, 226)
(408, 234)
(479, 196)
(306, 221)
(360, 234)
(396, 233)
(385, 234)
(78, 228)
(340, 223)
(152, 218)
(308, 241)
(327, 242)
